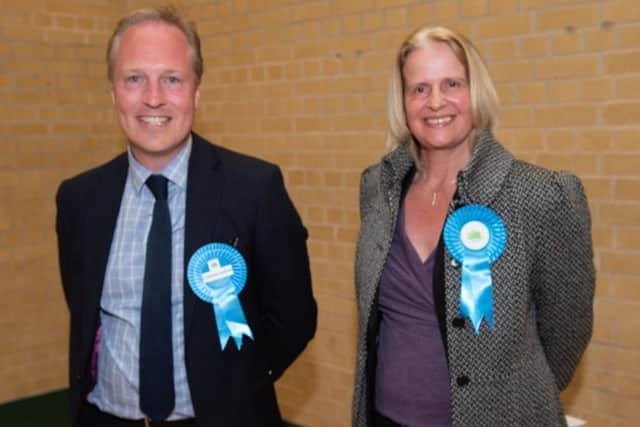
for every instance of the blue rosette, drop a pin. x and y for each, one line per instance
(217, 273)
(475, 236)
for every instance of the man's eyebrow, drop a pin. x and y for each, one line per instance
(133, 70)
(145, 71)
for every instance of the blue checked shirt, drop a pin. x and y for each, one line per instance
(116, 391)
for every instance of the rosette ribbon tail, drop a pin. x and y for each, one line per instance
(476, 293)
(230, 319)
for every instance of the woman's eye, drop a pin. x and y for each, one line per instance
(455, 83)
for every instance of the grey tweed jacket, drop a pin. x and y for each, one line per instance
(543, 286)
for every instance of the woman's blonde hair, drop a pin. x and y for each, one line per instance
(484, 99)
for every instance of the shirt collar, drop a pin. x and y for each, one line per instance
(175, 171)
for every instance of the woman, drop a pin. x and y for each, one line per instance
(474, 271)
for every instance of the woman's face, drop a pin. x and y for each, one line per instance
(437, 100)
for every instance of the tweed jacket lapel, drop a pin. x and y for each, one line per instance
(379, 215)
(395, 167)
(482, 178)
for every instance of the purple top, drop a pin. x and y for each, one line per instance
(412, 380)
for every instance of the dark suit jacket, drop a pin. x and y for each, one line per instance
(229, 196)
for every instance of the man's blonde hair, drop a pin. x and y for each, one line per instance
(168, 15)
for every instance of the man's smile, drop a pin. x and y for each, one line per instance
(154, 120)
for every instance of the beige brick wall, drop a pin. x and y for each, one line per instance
(55, 119)
(302, 83)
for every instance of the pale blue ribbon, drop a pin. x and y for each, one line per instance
(476, 293)
(230, 317)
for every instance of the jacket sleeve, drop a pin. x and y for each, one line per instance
(288, 309)
(564, 277)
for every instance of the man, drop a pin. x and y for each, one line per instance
(184, 265)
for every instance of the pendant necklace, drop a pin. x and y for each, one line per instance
(435, 194)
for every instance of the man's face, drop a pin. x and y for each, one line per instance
(155, 91)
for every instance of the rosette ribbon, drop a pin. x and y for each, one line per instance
(217, 273)
(475, 236)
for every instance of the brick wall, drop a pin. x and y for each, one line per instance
(55, 120)
(302, 83)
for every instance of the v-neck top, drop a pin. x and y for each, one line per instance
(412, 381)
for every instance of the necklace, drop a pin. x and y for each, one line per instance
(435, 193)
(434, 198)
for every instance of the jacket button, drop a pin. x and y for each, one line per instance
(458, 322)
(454, 263)
(463, 380)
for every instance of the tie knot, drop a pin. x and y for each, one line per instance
(158, 186)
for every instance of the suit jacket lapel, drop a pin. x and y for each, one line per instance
(205, 185)
(104, 216)
(99, 226)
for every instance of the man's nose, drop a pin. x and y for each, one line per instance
(154, 94)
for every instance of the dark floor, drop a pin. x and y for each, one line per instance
(47, 410)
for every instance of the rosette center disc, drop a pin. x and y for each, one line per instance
(474, 235)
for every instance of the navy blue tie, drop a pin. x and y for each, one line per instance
(157, 397)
